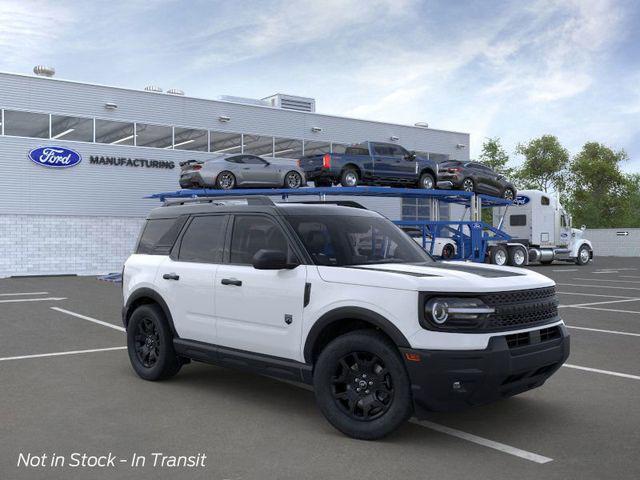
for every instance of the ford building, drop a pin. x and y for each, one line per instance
(77, 160)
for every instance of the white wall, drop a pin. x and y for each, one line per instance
(607, 242)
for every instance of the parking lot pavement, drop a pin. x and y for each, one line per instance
(581, 424)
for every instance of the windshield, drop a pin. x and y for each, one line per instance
(340, 240)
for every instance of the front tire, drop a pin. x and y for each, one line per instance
(225, 180)
(468, 185)
(448, 251)
(361, 385)
(508, 194)
(150, 344)
(584, 255)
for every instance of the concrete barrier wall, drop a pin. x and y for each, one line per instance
(614, 242)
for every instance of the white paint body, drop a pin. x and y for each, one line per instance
(251, 318)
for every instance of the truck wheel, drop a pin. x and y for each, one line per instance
(225, 180)
(584, 255)
(468, 185)
(150, 344)
(426, 182)
(508, 194)
(499, 255)
(517, 256)
(448, 251)
(349, 178)
(361, 385)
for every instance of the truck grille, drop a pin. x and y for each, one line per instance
(521, 308)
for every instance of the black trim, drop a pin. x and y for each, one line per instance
(401, 272)
(482, 272)
(241, 359)
(307, 294)
(352, 313)
(484, 376)
(152, 295)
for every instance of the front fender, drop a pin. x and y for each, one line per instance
(579, 243)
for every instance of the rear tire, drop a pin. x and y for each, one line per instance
(225, 180)
(508, 194)
(292, 180)
(448, 251)
(468, 185)
(349, 177)
(499, 255)
(361, 385)
(427, 182)
(150, 344)
(517, 256)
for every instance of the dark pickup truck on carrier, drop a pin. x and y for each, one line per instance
(371, 163)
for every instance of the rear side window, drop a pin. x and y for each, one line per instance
(518, 220)
(203, 242)
(357, 151)
(159, 235)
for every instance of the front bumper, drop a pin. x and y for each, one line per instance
(448, 380)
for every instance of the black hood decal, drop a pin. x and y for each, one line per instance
(482, 272)
(400, 272)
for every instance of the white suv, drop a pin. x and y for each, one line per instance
(339, 298)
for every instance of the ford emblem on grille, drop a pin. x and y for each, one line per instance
(55, 157)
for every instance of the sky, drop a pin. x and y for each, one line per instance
(514, 70)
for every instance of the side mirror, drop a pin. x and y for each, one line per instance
(271, 260)
(410, 156)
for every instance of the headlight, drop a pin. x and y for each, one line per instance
(456, 312)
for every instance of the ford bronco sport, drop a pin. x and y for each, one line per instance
(338, 298)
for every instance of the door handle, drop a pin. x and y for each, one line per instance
(171, 276)
(231, 281)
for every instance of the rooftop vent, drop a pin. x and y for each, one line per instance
(43, 71)
(153, 88)
(175, 91)
(291, 102)
(244, 100)
(422, 124)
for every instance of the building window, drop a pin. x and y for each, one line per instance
(316, 148)
(71, 128)
(115, 133)
(438, 157)
(190, 139)
(287, 148)
(26, 124)
(338, 147)
(157, 136)
(257, 145)
(225, 142)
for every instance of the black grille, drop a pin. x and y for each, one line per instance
(523, 339)
(521, 308)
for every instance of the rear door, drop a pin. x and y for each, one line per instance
(383, 160)
(259, 310)
(187, 277)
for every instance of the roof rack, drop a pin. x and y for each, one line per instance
(227, 200)
(340, 203)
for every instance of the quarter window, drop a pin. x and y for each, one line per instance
(26, 124)
(544, 200)
(203, 242)
(252, 233)
(159, 235)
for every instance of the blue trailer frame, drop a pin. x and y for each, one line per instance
(472, 237)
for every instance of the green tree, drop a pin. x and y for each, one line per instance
(494, 156)
(545, 164)
(600, 194)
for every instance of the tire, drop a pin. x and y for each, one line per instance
(322, 183)
(225, 180)
(292, 180)
(584, 255)
(517, 257)
(448, 251)
(382, 375)
(349, 177)
(427, 182)
(150, 344)
(508, 194)
(499, 255)
(468, 185)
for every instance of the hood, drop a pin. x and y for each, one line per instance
(446, 277)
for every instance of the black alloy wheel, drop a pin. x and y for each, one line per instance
(293, 180)
(226, 181)
(147, 343)
(362, 386)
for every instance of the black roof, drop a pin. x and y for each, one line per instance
(238, 206)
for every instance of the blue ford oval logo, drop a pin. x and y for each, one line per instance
(521, 200)
(55, 157)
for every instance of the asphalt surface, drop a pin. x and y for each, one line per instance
(583, 423)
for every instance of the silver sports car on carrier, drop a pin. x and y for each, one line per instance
(241, 170)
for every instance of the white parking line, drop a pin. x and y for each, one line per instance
(566, 270)
(597, 286)
(595, 303)
(533, 457)
(616, 332)
(609, 310)
(89, 319)
(606, 372)
(58, 354)
(629, 276)
(593, 295)
(605, 272)
(607, 280)
(25, 293)
(46, 299)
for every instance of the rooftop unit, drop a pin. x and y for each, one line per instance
(291, 102)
